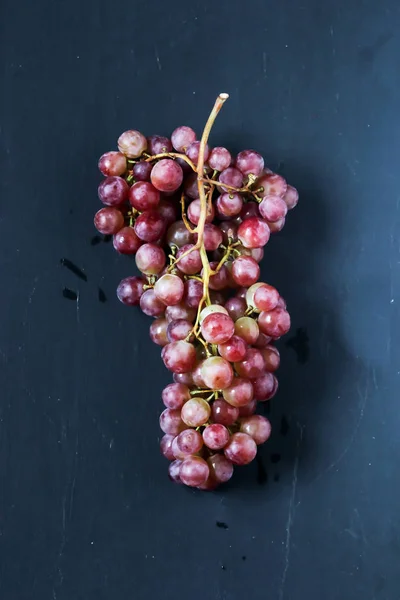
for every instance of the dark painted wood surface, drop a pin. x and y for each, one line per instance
(87, 511)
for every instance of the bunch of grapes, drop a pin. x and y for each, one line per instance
(197, 220)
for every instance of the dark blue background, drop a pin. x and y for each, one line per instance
(87, 511)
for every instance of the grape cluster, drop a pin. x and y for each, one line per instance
(197, 220)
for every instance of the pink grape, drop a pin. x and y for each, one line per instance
(149, 226)
(189, 441)
(175, 450)
(109, 220)
(239, 393)
(194, 471)
(212, 237)
(166, 446)
(231, 177)
(266, 297)
(191, 263)
(256, 426)
(113, 191)
(179, 357)
(126, 241)
(179, 330)
(241, 449)
(144, 196)
(276, 226)
(253, 233)
(166, 175)
(291, 197)
(141, 170)
(130, 290)
(132, 143)
(271, 358)
(158, 332)
(195, 412)
(224, 413)
(169, 289)
(219, 159)
(221, 469)
(234, 350)
(150, 259)
(217, 328)
(264, 386)
(275, 322)
(249, 162)
(245, 271)
(175, 395)
(112, 163)
(241, 293)
(193, 292)
(218, 298)
(247, 329)
(182, 137)
(271, 184)
(215, 436)
(273, 208)
(178, 235)
(174, 469)
(194, 210)
(221, 279)
(229, 205)
(210, 309)
(171, 422)
(193, 152)
(248, 409)
(236, 308)
(180, 311)
(250, 293)
(217, 373)
(197, 376)
(158, 144)
(151, 305)
(252, 365)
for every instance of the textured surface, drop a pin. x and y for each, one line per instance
(87, 511)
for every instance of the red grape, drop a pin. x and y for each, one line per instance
(247, 329)
(193, 292)
(217, 373)
(236, 308)
(178, 235)
(144, 196)
(249, 162)
(175, 395)
(217, 328)
(273, 208)
(193, 152)
(130, 290)
(232, 177)
(252, 365)
(221, 469)
(189, 441)
(194, 471)
(271, 184)
(191, 263)
(195, 412)
(264, 386)
(179, 330)
(126, 241)
(168, 210)
(113, 191)
(132, 143)
(150, 259)
(182, 137)
(239, 393)
(108, 220)
(151, 305)
(215, 436)
(158, 144)
(179, 357)
(245, 271)
(253, 233)
(166, 175)
(171, 422)
(266, 297)
(291, 197)
(169, 289)
(234, 350)
(180, 311)
(141, 170)
(149, 226)
(158, 332)
(257, 426)
(241, 449)
(224, 413)
(219, 159)
(112, 163)
(229, 205)
(271, 358)
(275, 322)
(174, 471)
(166, 446)
(194, 210)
